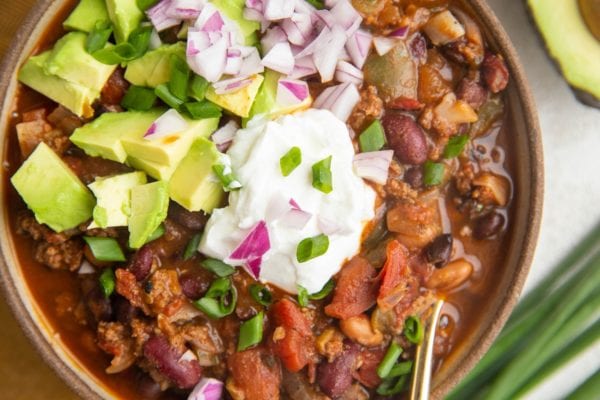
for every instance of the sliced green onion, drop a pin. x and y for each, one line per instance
(389, 360)
(192, 248)
(180, 77)
(251, 332)
(105, 248)
(455, 146)
(225, 175)
(107, 282)
(413, 329)
(220, 300)
(198, 87)
(203, 109)
(143, 5)
(403, 368)
(322, 179)
(140, 39)
(218, 267)
(157, 233)
(99, 36)
(372, 138)
(318, 4)
(163, 93)
(313, 247)
(391, 387)
(261, 294)
(135, 47)
(138, 98)
(290, 161)
(433, 173)
(302, 296)
(321, 294)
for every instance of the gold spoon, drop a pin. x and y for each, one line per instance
(421, 379)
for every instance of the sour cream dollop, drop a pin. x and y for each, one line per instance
(266, 195)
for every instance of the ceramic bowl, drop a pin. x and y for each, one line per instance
(527, 206)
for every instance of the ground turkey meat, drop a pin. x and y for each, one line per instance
(368, 109)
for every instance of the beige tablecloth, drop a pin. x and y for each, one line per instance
(23, 374)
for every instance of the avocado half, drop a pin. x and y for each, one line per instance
(563, 25)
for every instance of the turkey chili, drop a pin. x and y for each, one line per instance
(260, 200)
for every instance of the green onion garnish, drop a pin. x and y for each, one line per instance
(302, 296)
(180, 76)
(135, 47)
(455, 146)
(220, 300)
(433, 173)
(143, 5)
(372, 138)
(192, 247)
(217, 267)
(261, 294)
(402, 368)
(158, 232)
(105, 248)
(313, 247)
(322, 179)
(198, 87)
(290, 161)
(318, 4)
(163, 92)
(107, 282)
(99, 36)
(390, 387)
(321, 294)
(138, 98)
(225, 175)
(390, 358)
(203, 109)
(251, 332)
(413, 329)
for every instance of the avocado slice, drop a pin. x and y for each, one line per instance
(149, 206)
(156, 170)
(125, 16)
(154, 67)
(571, 44)
(239, 102)
(194, 184)
(52, 191)
(113, 196)
(75, 97)
(85, 15)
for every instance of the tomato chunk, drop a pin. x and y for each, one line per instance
(394, 272)
(293, 340)
(255, 375)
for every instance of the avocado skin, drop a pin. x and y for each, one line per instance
(571, 44)
(85, 15)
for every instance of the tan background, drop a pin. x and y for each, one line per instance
(23, 374)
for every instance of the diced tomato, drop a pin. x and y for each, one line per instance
(293, 340)
(255, 375)
(394, 273)
(355, 290)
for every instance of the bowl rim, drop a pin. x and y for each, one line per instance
(30, 323)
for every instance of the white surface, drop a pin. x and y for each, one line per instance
(571, 136)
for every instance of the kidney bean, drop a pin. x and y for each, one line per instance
(495, 73)
(167, 360)
(414, 177)
(193, 286)
(335, 377)
(141, 263)
(406, 138)
(489, 225)
(439, 250)
(471, 92)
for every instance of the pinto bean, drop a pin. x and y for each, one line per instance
(495, 72)
(451, 276)
(335, 377)
(360, 330)
(167, 360)
(489, 225)
(141, 263)
(439, 250)
(406, 138)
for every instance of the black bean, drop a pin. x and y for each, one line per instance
(167, 360)
(438, 252)
(188, 219)
(141, 263)
(489, 225)
(124, 311)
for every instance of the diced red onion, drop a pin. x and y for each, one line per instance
(207, 389)
(384, 44)
(326, 55)
(225, 134)
(373, 165)
(197, 41)
(346, 15)
(158, 16)
(331, 3)
(210, 63)
(275, 10)
(320, 40)
(252, 248)
(233, 65)
(295, 219)
(417, 46)
(400, 33)
(294, 204)
(231, 85)
(346, 72)
(303, 67)
(185, 9)
(255, 4)
(340, 100)
(327, 226)
(358, 46)
(253, 15)
(168, 123)
(214, 23)
(277, 207)
(304, 7)
(273, 36)
(252, 63)
(280, 58)
(86, 268)
(324, 19)
(298, 28)
(291, 92)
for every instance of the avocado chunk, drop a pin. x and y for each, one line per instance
(70, 61)
(102, 137)
(571, 44)
(85, 15)
(149, 206)
(239, 102)
(52, 191)
(158, 171)
(265, 102)
(194, 184)
(125, 16)
(73, 96)
(234, 10)
(113, 196)
(154, 67)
